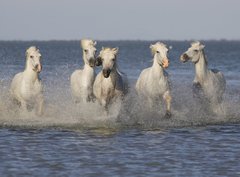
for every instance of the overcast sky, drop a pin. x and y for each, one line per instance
(119, 19)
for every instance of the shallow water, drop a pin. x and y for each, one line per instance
(70, 140)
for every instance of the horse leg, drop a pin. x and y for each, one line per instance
(197, 90)
(167, 97)
(40, 102)
(24, 106)
(105, 105)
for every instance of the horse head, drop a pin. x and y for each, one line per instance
(89, 51)
(107, 58)
(160, 53)
(33, 55)
(193, 53)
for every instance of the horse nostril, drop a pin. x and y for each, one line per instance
(185, 56)
(92, 62)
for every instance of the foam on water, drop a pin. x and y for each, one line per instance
(61, 112)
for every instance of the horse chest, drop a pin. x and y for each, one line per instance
(157, 86)
(108, 87)
(87, 79)
(30, 89)
(86, 82)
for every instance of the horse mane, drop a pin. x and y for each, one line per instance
(87, 42)
(153, 47)
(31, 49)
(205, 57)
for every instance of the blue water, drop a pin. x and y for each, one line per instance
(72, 140)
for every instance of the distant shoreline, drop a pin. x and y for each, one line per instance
(126, 40)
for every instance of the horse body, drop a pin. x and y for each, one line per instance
(153, 83)
(82, 84)
(207, 84)
(26, 86)
(109, 83)
(82, 79)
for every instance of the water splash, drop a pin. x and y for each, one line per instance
(61, 112)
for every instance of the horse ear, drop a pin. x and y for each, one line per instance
(201, 46)
(115, 50)
(152, 49)
(95, 43)
(103, 48)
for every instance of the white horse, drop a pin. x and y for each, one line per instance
(82, 79)
(153, 83)
(208, 85)
(109, 83)
(26, 87)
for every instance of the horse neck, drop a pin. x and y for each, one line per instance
(114, 73)
(156, 68)
(88, 68)
(201, 69)
(84, 57)
(29, 73)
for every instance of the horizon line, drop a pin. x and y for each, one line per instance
(112, 40)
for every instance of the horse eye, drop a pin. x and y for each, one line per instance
(85, 50)
(195, 50)
(157, 51)
(31, 56)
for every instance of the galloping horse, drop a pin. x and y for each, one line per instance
(82, 79)
(207, 84)
(26, 86)
(109, 83)
(153, 83)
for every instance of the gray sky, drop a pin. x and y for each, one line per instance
(119, 19)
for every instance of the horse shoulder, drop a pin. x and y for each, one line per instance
(16, 82)
(76, 74)
(142, 77)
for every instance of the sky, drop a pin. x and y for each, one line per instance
(119, 19)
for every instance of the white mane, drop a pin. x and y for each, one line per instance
(85, 43)
(154, 47)
(196, 45)
(32, 49)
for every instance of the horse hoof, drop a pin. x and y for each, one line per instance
(168, 115)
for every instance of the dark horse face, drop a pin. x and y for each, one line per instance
(107, 58)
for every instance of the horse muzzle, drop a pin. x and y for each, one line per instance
(38, 68)
(92, 62)
(165, 63)
(184, 58)
(106, 72)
